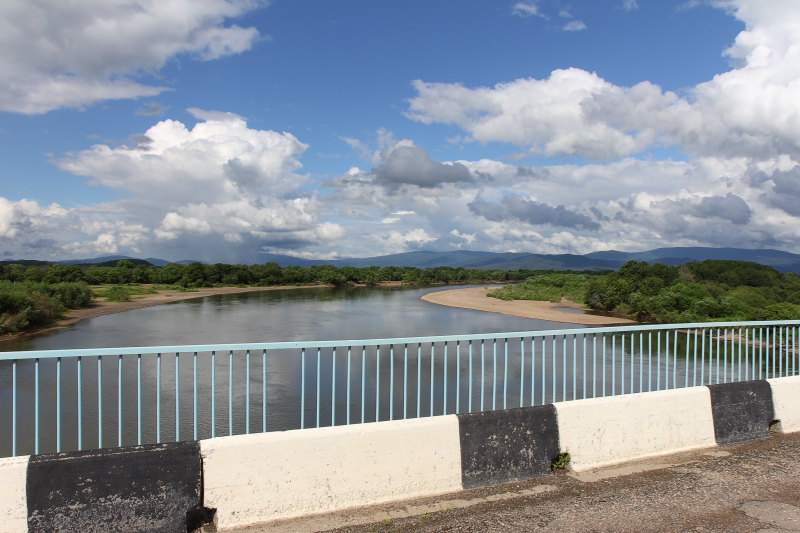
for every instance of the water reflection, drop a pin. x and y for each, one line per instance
(281, 315)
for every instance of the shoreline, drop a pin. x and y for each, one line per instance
(477, 300)
(102, 308)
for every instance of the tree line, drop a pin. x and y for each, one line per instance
(197, 275)
(702, 291)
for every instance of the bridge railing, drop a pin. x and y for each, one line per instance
(61, 400)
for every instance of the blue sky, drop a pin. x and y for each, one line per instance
(225, 129)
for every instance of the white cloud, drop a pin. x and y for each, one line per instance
(323, 256)
(218, 180)
(398, 242)
(71, 54)
(752, 110)
(25, 217)
(546, 116)
(575, 25)
(174, 225)
(527, 9)
(218, 158)
(630, 5)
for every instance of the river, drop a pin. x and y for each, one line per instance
(282, 315)
(263, 316)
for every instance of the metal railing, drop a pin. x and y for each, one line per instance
(60, 400)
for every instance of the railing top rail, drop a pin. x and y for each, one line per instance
(89, 352)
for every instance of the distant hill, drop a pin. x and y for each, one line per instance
(111, 260)
(419, 259)
(783, 261)
(606, 260)
(26, 262)
(97, 260)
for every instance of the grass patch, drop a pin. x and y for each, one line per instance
(116, 293)
(561, 461)
(546, 288)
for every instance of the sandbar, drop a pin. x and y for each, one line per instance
(476, 299)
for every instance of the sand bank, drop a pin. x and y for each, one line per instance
(477, 299)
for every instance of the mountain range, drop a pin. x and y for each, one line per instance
(606, 260)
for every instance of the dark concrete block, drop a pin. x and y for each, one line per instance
(742, 411)
(131, 489)
(509, 445)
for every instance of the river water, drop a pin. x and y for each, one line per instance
(263, 316)
(282, 315)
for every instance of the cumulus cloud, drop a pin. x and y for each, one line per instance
(72, 54)
(219, 179)
(729, 207)
(402, 163)
(26, 217)
(414, 165)
(630, 5)
(536, 213)
(398, 242)
(545, 116)
(218, 158)
(752, 110)
(783, 188)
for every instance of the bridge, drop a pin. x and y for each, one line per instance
(115, 404)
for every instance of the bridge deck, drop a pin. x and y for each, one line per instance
(747, 487)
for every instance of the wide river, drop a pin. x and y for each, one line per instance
(282, 315)
(262, 316)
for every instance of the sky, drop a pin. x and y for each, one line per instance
(221, 130)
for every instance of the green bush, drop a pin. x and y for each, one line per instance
(117, 293)
(24, 305)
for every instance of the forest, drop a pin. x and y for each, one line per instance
(701, 291)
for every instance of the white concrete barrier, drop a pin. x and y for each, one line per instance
(604, 431)
(786, 402)
(13, 497)
(267, 476)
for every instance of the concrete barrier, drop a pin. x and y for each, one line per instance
(13, 502)
(505, 446)
(742, 411)
(249, 479)
(267, 476)
(132, 489)
(604, 431)
(786, 402)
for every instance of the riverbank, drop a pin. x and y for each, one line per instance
(101, 308)
(476, 299)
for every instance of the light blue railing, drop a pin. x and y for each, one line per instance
(62, 400)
